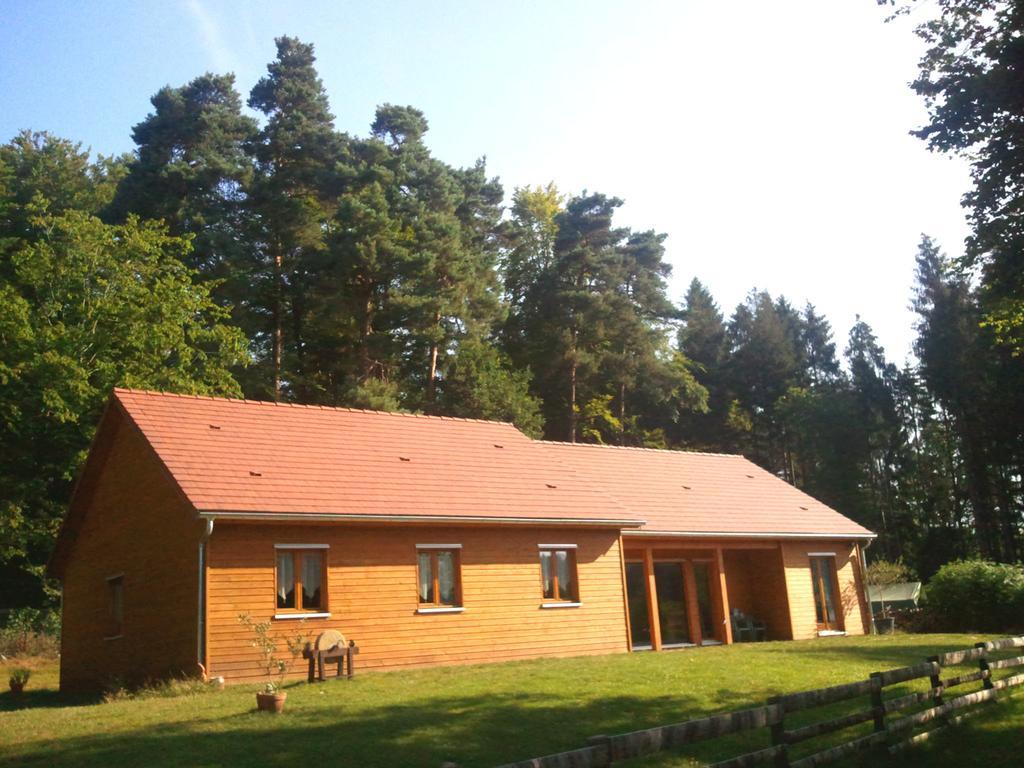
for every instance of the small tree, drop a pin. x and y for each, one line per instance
(267, 646)
(885, 573)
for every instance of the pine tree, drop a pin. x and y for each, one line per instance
(969, 78)
(872, 380)
(763, 365)
(821, 366)
(956, 364)
(702, 339)
(571, 328)
(191, 170)
(300, 167)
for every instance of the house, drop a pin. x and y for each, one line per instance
(429, 540)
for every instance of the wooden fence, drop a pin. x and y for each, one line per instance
(891, 724)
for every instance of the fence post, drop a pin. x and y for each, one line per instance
(876, 701)
(778, 729)
(936, 678)
(983, 666)
(606, 743)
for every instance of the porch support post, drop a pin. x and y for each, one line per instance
(625, 595)
(692, 613)
(723, 592)
(652, 599)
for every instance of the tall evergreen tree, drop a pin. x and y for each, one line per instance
(300, 166)
(971, 80)
(191, 170)
(957, 366)
(763, 365)
(821, 366)
(872, 379)
(702, 340)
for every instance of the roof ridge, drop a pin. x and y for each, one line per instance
(644, 448)
(310, 406)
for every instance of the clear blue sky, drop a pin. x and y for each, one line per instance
(768, 139)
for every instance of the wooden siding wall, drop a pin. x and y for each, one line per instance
(757, 586)
(136, 524)
(801, 592)
(372, 595)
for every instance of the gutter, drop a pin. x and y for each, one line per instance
(454, 519)
(864, 581)
(733, 535)
(204, 537)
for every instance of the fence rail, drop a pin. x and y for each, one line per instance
(892, 725)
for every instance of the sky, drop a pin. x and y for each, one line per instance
(769, 140)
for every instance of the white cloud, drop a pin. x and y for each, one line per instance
(220, 54)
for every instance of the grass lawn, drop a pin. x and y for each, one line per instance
(475, 716)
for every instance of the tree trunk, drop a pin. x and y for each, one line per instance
(622, 414)
(572, 389)
(572, 402)
(432, 376)
(365, 329)
(278, 332)
(978, 491)
(298, 316)
(1007, 517)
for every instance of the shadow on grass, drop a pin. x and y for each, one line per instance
(43, 697)
(912, 649)
(478, 730)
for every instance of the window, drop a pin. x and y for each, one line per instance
(115, 606)
(558, 573)
(823, 576)
(438, 576)
(301, 587)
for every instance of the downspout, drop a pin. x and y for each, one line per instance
(201, 616)
(864, 582)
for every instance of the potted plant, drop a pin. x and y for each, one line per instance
(272, 697)
(882, 574)
(19, 677)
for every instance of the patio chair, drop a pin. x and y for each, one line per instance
(742, 628)
(747, 629)
(760, 630)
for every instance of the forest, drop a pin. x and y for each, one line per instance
(279, 258)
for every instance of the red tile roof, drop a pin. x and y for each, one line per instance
(244, 456)
(702, 493)
(256, 458)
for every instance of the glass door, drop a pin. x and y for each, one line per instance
(668, 580)
(823, 574)
(636, 598)
(702, 582)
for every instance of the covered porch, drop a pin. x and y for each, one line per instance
(685, 593)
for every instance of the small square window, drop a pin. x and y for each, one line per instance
(439, 577)
(300, 581)
(558, 574)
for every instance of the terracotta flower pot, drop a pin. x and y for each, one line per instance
(271, 702)
(17, 688)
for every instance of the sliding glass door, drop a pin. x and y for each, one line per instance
(636, 598)
(702, 581)
(670, 586)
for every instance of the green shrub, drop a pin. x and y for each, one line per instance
(977, 596)
(30, 632)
